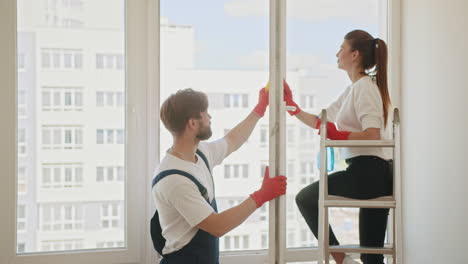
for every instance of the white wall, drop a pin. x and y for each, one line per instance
(434, 130)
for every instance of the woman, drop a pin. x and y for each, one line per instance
(360, 113)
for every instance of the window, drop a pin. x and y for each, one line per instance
(60, 82)
(263, 135)
(236, 100)
(60, 217)
(58, 58)
(110, 215)
(22, 104)
(22, 180)
(109, 244)
(55, 245)
(236, 171)
(21, 61)
(100, 136)
(110, 136)
(21, 218)
(307, 101)
(291, 135)
(110, 99)
(63, 137)
(65, 175)
(313, 93)
(99, 98)
(59, 99)
(21, 247)
(22, 142)
(109, 61)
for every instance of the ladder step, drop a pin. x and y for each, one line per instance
(381, 202)
(358, 249)
(359, 143)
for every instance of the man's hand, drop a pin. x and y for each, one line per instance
(271, 188)
(288, 98)
(262, 104)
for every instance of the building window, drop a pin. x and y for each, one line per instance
(236, 100)
(291, 238)
(22, 141)
(109, 174)
(61, 217)
(110, 136)
(263, 136)
(22, 109)
(100, 136)
(21, 218)
(290, 171)
(307, 167)
(120, 136)
(99, 99)
(62, 175)
(22, 184)
(236, 171)
(110, 215)
(109, 244)
(62, 99)
(264, 240)
(61, 58)
(58, 137)
(56, 245)
(291, 135)
(307, 101)
(236, 242)
(110, 61)
(21, 61)
(21, 248)
(110, 99)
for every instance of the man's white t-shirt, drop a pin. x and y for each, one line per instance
(359, 107)
(178, 200)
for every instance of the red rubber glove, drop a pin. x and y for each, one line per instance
(288, 98)
(332, 131)
(262, 104)
(271, 188)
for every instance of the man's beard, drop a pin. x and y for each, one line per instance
(204, 133)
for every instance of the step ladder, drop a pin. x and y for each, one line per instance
(394, 248)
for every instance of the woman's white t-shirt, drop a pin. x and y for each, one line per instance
(359, 107)
(180, 205)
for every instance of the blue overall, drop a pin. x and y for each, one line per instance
(204, 247)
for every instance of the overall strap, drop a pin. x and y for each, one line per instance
(166, 173)
(204, 159)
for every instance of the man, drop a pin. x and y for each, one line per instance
(186, 225)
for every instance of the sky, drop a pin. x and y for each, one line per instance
(233, 34)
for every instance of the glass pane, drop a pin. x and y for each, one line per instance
(219, 48)
(315, 31)
(63, 131)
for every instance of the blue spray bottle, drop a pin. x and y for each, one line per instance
(330, 159)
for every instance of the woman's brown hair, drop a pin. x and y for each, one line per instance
(374, 61)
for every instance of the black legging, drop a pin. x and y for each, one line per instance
(366, 177)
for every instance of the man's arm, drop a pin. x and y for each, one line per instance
(220, 224)
(239, 134)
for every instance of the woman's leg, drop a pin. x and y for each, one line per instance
(372, 228)
(373, 221)
(339, 183)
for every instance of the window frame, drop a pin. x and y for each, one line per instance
(140, 79)
(142, 53)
